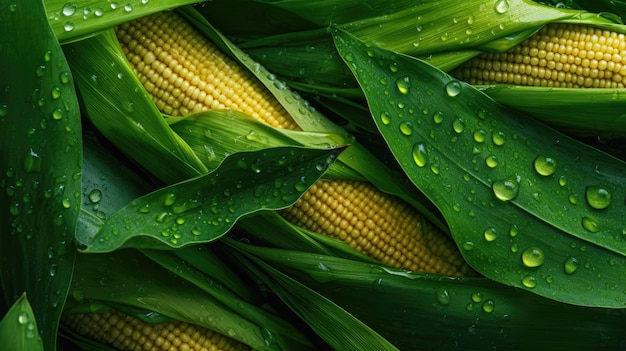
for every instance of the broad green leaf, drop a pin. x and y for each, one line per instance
(127, 277)
(72, 21)
(214, 134)
(109, 183)
(40, 164)
(417, 311)
(340, 329)
(528, 206)
(581, 112)
(204, 208)
(18, 328)
(278, 332)
(123, 112)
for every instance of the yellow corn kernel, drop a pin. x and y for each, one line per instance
(559, 55)
(126, 333)
(184, 72)
(379, 226)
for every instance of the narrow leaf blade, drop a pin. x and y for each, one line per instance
(203, 209)
(18, 328)
(40, 164)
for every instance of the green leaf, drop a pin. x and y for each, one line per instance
(40, 164)
(279, 331)
(581, 112)
(121, 109)
(214, 134)
(109, 183)
(76, 20)
(18, 328)
(454, 312)
(127, 277)
(528, 206)
(340, 329)
(203, 209)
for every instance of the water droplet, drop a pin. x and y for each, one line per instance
(66, 202)
(598, 197)
(113, 5)
(497, 138)
(502, 6)
(438, 117)
(591, 223)
(491, 161)
(545, 165)
(95, 196)
(513, 230)
(4, 109)
(57, 114)
(529, 281)
(458, 125)
(23, 318)
(406, 128)
(443, 297)
(13, 7)
(98, 12)
(480, 136)
(468, 246)
(419, 154)
(128, 7)
(68, 9)
(169, 199)
(55, 93)
(477, 297)
(562, 181)
(507, 189)
(571, 265)
(393, 67)
(490, 234)
(301, 185)
(403, 84)
(145, 208)
(385, 117)
(533, 257)
(32, 162)
(489, 306)
(453, 88)
(68, 26)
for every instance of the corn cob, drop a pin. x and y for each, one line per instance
(124, 332)
(558, 55)
(184, 73)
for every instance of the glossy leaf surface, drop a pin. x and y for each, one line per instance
(528, 206)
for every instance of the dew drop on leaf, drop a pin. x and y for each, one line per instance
(571, 265)
(443, 297)
(506, 189)
(544, 165)
(529, 281)
(419, 154)
(406, 128)
(453, 88)
(533, 257)
(591, 223)
(489, 306)
(95, 196)
(490, 234)
(385, 117)
(502, 6)
(403, 84)
(598, 197)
